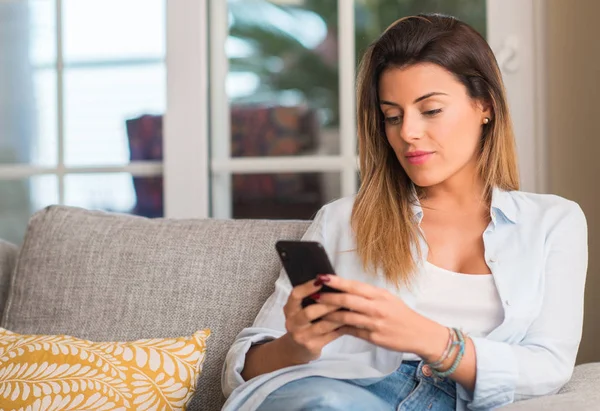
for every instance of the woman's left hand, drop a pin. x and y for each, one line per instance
(378, 316)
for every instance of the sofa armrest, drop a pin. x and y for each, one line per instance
(581, 393)
(8, 259)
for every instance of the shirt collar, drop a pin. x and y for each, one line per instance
(415, 206)
(502, 204)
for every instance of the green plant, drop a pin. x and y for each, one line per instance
(284, 64)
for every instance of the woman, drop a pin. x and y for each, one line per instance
(461, 291)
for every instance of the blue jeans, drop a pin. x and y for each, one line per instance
(407, 389)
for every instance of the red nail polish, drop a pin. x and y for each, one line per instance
(323, 277)
(315, 296)
(318, 283)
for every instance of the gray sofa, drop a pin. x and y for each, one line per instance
(109, 277)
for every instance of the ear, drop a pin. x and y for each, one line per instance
(486, 109)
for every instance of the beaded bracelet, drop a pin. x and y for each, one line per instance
(456, 363)
(449, 349)
(455, 346)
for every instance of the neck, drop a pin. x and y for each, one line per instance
(456, 193)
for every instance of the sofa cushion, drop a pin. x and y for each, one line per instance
(581, 393)
(586, 377)
(107, 277)
(43, 372)
(8, 257)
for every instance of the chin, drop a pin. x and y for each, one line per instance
(424, 180)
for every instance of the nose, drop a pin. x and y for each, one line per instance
(411, 129)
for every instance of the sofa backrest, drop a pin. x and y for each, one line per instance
(8, 257)
(108, 277)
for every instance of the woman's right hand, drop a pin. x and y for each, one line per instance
(305, 338)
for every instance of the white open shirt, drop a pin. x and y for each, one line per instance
(536, 248)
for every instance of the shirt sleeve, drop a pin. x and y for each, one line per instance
(543, 362)
(270, 322)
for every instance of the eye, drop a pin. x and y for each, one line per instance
(432, 113)
(393, 120)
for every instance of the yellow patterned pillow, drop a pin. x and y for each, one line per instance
(40, 372)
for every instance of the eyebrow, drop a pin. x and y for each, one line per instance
(424, 97)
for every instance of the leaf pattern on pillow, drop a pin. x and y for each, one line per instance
(57, 372)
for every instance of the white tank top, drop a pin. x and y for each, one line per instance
(466, 301)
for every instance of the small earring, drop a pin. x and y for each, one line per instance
(486, 120)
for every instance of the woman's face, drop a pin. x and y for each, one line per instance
(431, 123)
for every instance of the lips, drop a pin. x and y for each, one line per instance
(418, 157)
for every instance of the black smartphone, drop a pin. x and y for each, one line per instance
(303, 261)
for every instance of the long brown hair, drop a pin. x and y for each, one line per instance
(387, 234)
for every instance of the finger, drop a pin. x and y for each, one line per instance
(351, 286)
(314, 337)
(308, 315)
(349, 318)
(314, 311)
(329, 337)
(361, 333)
(350, 301)
(324, 327)
(300, 292)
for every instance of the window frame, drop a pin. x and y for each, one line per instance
(518, 43)
(24, 171)
(197, 170)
